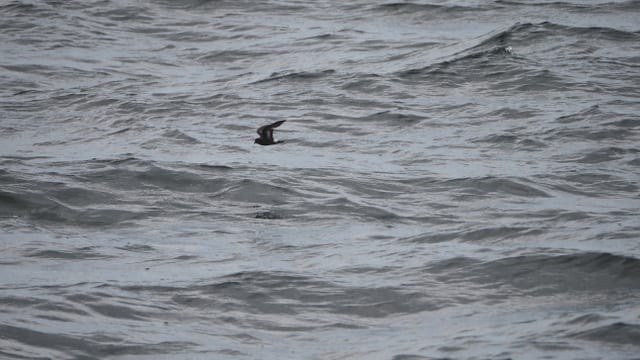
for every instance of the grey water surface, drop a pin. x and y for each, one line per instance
(458, 179)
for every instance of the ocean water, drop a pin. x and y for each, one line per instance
(458, 179)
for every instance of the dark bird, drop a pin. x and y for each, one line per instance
(266, 134)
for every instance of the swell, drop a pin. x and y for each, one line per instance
(123, 191)
(592, 184)
(494, 58)
(47, 210)
(618, 333)
(428, 11)
(593, 123)
(265, 293)
(543, 275)
(622, 6)
(480, 187)
(81, 346)
(297, 76)
(526, 33)
(491, 59)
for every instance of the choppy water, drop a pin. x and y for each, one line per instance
(459, 180)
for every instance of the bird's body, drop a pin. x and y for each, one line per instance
(266, 134)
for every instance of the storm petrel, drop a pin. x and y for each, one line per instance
(266, 134)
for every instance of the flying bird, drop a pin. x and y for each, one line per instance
(266, 134)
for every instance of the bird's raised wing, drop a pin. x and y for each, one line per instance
(266, 132)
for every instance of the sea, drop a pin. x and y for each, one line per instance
(457, 179)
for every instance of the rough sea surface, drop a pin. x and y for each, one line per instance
(458, 179)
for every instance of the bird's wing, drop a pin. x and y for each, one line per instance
(266, 131)
(277, 123)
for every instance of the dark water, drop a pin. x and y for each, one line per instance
(459, 180)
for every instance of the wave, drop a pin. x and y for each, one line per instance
(265, 293)
(605, 155)
(529, 32)
(136, 174)
(82, 346)
(341, 207)
(483, 234)
(296, 76)
(491, 47)
(508, 59)
(543, 275)
(74, 254)
(44, 209)
(618, 333)
(428, 11)
(479, 66)
(229, 56)
(513, 141)
(20, 9)
(592, 184)
(126, 14)
(122, 191)
(622, 6)
(479, 187)
(393, 118)
(591, 124)
(172, 136)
